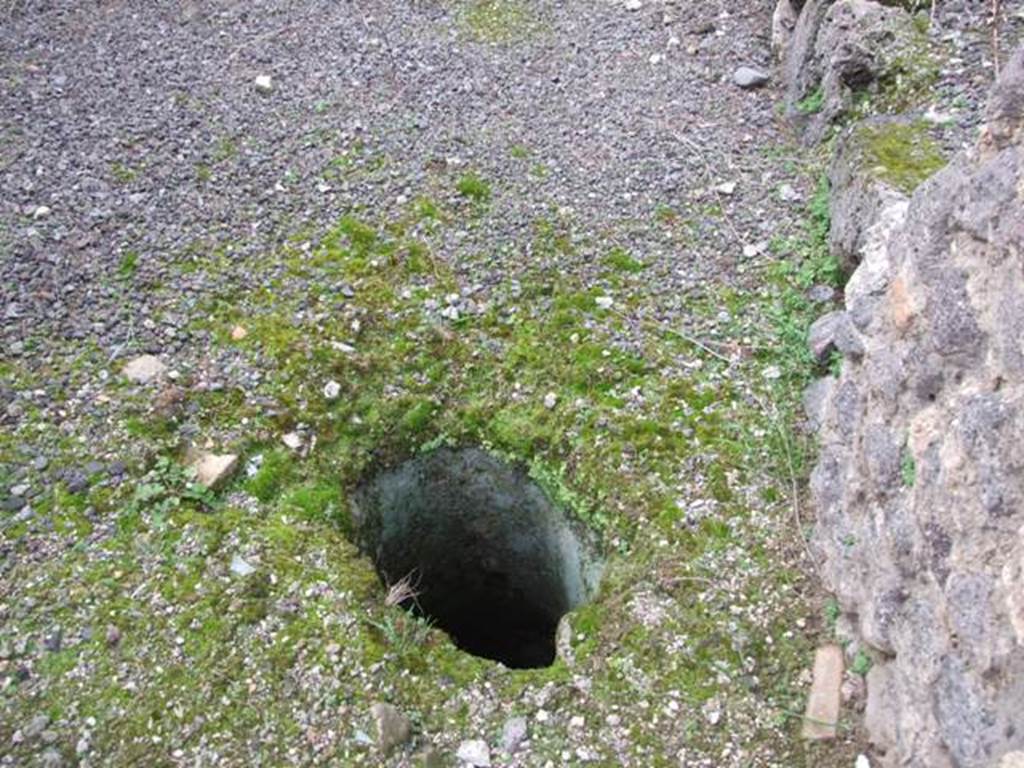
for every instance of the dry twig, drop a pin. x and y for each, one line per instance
(402, 590)
(711, 180)
(678, 334)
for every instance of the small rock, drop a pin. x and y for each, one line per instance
(821, 294)
(264, 83)
(238, 333)
(787, 194)
(169, 402)
(51, 759)
(749, 77)
(550, 400)
(822, 715)
(252, 466)
(331, 390)
(821, 336)
(54, 641)
(144, 369)
(40, 463)
(113, 636)
(213, 470)
(634, 5)
(513, 734)
(36, 726)
(393, 728)
(41, 212)
(862, 762)
(475, 752)
(20, 490)
(362, 737)
(726, 188)
(77, 481)
(604, 302)
(428, 757)
(293, 440)
(712, 710)
(240, 566)
(815, 399)
(13, 503)
(833, 332)
(752, 250)
(854, 689)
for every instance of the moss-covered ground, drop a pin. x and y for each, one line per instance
(678, 446)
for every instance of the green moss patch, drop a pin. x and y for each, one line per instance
(901, 154)
(498, 21)
(251, 611)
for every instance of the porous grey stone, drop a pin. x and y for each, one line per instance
(919, 487)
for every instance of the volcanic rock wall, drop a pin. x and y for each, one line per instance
(919, 488)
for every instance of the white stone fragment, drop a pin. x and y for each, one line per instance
(213, 470)
(143, 369)
(475, 752)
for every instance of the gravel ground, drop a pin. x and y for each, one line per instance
(145, 134)
(140, 132)
(153, 195)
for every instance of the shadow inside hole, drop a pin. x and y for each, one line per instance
(493, 561)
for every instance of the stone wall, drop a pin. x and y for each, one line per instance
(919, 488)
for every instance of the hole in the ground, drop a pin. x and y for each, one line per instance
(495, 563)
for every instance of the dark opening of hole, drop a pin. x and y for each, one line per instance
(494, 562)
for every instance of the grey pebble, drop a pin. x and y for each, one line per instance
(749, 78)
